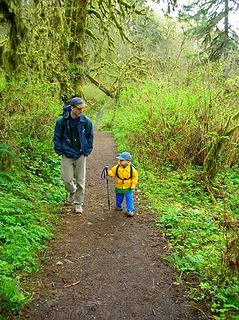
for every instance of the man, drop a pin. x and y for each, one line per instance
(73, 140)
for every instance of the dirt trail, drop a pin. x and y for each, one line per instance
(103, 265)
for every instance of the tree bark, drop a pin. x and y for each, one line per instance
(78, 25)
(226, 29)
(16, 33)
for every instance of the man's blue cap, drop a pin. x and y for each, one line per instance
(124, 156)
(76, 101)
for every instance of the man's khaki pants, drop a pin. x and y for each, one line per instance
(73, 173)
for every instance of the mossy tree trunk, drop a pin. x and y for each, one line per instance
(15, 29)
(217, 149)
(77, 21)
(47, 39)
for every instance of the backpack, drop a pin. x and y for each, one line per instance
(131, 172)
(67, 106)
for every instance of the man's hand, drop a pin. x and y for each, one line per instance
(133, 187)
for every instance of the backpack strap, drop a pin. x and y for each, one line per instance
(131, 173)
(66, 117)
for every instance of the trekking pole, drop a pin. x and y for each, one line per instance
(104, 175)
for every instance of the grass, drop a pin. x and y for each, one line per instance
(31, 190)
(198, 235)
(30, 200)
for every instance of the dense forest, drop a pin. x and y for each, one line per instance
(167, 85)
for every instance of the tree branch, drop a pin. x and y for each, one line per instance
(100, 86)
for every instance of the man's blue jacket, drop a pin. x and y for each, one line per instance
(62, 136)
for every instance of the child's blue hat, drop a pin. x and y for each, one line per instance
(124, 156)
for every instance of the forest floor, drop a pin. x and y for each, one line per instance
(104, 265)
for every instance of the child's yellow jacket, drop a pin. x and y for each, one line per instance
(122, 177)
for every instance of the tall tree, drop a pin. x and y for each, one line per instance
(49, 37)
(98, 29)
(212, 24)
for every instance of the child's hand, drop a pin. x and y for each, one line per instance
(104, 172)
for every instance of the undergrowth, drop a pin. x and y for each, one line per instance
(30, 199)
(31, 190)
(198, 236)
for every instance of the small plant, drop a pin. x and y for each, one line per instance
(10, 295)
(7, 156)
(230, 228)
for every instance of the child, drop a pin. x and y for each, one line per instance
(126, 178)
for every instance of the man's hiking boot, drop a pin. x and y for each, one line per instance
(70, 199)
(130, 213)
(78, 209)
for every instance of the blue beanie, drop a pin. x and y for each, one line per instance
(76, 101)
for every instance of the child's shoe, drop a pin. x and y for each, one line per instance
(118, 209)
(130, 213)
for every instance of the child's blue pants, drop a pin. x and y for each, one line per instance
(129, 200)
